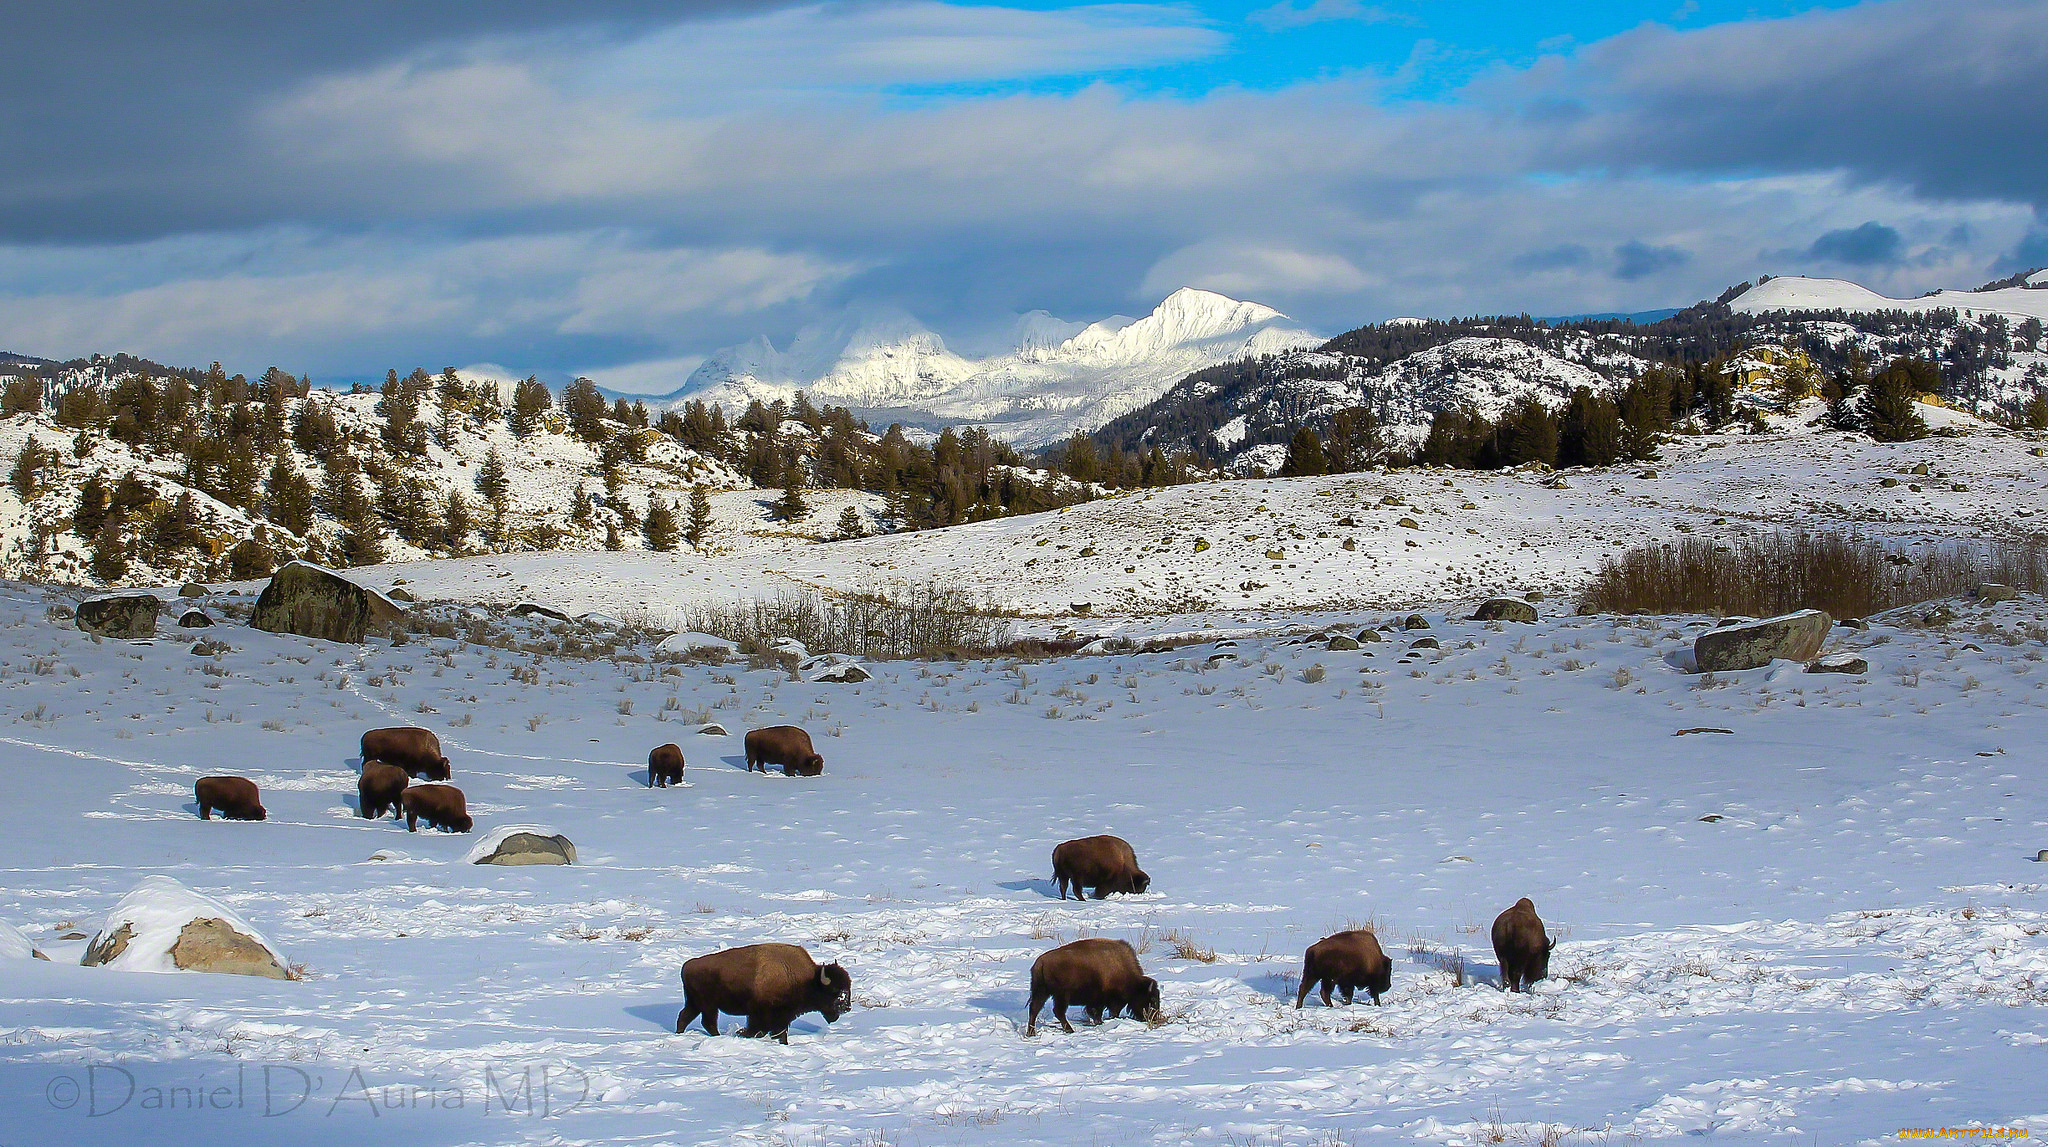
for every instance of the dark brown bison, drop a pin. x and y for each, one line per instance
(665, 766)
(1105, 863)
(1346, 961)
(1100, 975)
(235, 797)
(784, 745)
(441, 806)
(379, 788)
(770, 984)
(1521, 946)
(417, 751)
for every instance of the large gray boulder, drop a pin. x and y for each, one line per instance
(1506, 609)
(517, 844)
(129, 615)
(1754, 644)
(164, 926)
(314, 601)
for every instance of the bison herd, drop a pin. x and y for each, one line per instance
(772, 984)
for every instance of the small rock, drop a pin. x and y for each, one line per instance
(535, 609)
(193, 589)
(1853, 623)
(1220, 658)
(712, 729)
(1558, 484)
(1425, 643)
(208, 647)
(1350, 543)
(846, 674)
(1365, 635)
(1086, 552)
(1339, 641)
(61, 612)
(1839, 663)
(401, 595)
(1082, 607)
(1991, 592)
(1276, 555)
(194, 619)
(1506, 609)
(1713, 818)
(1939, 615)
(1415, 621)
(520, 844)
(1201, 544)
(126, 615)
(1887, 483)
(1919, 468)
(1409, 524)
(14, 945)
(2042, 856)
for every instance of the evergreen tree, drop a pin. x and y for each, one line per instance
(612, 541)
(1590, 432)
(457, 521)
(92, 507)
(28, 466)
(1890, 413)
(1304, 456)
(1528, 434)
(791, 506)
(109, 552)
(579, 507)
(850, 524)
(660, 525)
(586, 409)
(2036, 415)
(288, 497)
(530, 400)
(700, 516)
(249, 559)
(491, 481)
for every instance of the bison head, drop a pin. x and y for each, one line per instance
(1539, 966)
(1144, 1000)
(1140, 882)
(462, 823)
(832, 992)
(813, 765)
(438, 772)
(262, 813)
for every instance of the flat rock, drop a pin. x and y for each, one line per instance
(1340, 641)
(193, 589)
(712, 729)
(844, 674)
(1838, 663)
(1416, 621)
(194, 619)
(163, 926)
(1992, 592)
(1425, 643)
(124, 615)
(1506, 609)
(518, 844)
(1754, 644)
(536, 609)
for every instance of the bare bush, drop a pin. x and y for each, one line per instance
(930, 620)
(1843, 573)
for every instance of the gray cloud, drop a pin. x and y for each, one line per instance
(1862, 246)
(1559, 258)
(1636, 259)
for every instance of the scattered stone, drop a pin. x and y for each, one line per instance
(1939, 615)
(1887, 483)
(1086, 552)
(401, 595)
(126, 615)
(1350, 543)
(1839, 663)
(194, 619)
(193, 589)
(1702, 729)
(1220, 658)
(1365, 635)
(1425, 643)
(60, 612)
(1919, 468)
(163, 926)
(686, 644)
(1647, 474)
(1853, 623)
(1409, 524)
(1201, 544)
(1533, 595)
(1339, 642)
(208, 647)
(1082, 607)
(1506, 609)
(1558, 484)
(1754, 644)
(1713, 818)
(1991, 592)
(1276, 555)
(536, 609)
(314, 601)
(388, 856)
(2041, 857)
(1415, 621)
(844, 674)
(712, 729)
(517, 844)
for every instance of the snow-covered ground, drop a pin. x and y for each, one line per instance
(1819, 926)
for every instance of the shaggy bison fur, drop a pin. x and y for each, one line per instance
(665, 766)
(441, 806)
(234, 797)
(417, 751)
(1521, 946)
(1105, 863)
(1346, 961)
(770, 984)
(379, 788)
(784, 745)
(1101, 975)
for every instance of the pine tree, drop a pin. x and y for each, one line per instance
(530, 399)
(109, 558)
(491, 481)
(92, 507)
(700, 517)
(288, 497)
(1890, 413)
(612, 541)
(458, 521)
(579, 507)
(1304, 456)
(2036, 414)
(850, 523)
(791, 506)
(27, 468)
(660, 525)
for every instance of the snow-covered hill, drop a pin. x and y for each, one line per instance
(1056, 377)
(1798, 293)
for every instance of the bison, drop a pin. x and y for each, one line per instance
(417, 751)
(784, 745)
(1346, 961)
(379, 788)
(234, 797)
(665, 766)
(770, 984)
(1521, 946)
(1105, 863)
(441, 806)
(1100, 975)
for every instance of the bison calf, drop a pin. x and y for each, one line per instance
(234, 797)
(1521, 946)
(784, 745)
(665, 766)
(378, 789)
(1100, 975)
(1105, 863)
(417, 751)
(770, 984)
(1346, 961)
(441, 806)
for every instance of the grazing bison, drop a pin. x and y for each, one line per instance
(665, 766)
(417, 751)
(784, 745)
(770, 984)
(1521, 946)
(1104, 863)
(235, 797)
(1346, 961)
(379, 789)
(1100, 975)
(441, 806)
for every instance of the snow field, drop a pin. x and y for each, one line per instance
(1853, 946)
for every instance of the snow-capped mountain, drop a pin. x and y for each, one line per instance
(1054, 378)
(2025, 300)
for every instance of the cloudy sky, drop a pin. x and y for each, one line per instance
(616, 187)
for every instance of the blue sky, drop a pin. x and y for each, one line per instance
(619, 187)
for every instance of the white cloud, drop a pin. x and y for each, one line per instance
(1255, 271)
(1285, 14)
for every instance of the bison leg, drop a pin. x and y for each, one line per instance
(1037, 1002)
(684, 1017)
(205, 813)
(1308, 983)
(1327, 986)
(1348, 989)
(412, 821)
(1059, 1012)
(1094, 1013)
